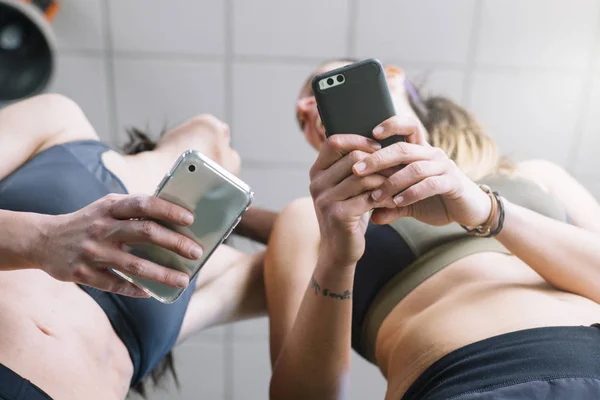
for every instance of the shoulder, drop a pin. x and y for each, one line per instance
(298, 216)
(543, 172)
(299, 209)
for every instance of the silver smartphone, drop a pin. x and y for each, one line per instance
(215, 196)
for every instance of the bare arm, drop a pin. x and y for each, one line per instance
(32, 125)
(580, 205)
(257, 224)
(564, 255)
(314, 361)
(19, 234)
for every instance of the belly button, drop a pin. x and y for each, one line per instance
(44, 330)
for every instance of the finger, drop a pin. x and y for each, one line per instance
(428, 187)
(408, 176)
(383, 216)
(395, 155)
(141, 268)
(140, 206)
(337, 146)
(353, 186)
(107, 281)
(336, 173)
(146, 231)
(406, 126)
(354, 207)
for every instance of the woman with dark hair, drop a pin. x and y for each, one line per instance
(461, 275)
(65, 199)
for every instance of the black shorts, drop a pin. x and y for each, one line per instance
(540, 363)
(15, 387)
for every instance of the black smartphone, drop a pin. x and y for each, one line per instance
(355, 99)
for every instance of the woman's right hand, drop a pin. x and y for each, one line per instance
(82, 246)
(342, 200)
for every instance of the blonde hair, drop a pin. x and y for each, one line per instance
(456, 131)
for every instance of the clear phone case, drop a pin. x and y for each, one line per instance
(215, 196)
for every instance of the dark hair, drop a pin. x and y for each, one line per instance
(138, 142)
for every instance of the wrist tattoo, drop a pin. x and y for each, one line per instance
(314, 285)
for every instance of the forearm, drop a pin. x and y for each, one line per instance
(315, 360)
(257, 224)
(566, 256)
(18, 239)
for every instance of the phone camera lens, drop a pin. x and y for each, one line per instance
(340, 78)
(330, 81)
(192, 168)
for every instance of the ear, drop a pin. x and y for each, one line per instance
(305, 104)
(391, 71)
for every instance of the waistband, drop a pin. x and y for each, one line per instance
(411, 277)
(15, 387)
(538, 354)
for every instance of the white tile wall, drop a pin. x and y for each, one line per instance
(79, 25)
(438, 82)
(276, 187)
(362, 371)
(84, 80)
(308, 28)
(157, 93)
(531, 115)
(592, 183)
(424, 31)
(174, 26)
(264, 110)
(526, 71)
(201, 372)
(586, 160)
(251, 369)
(543, 33)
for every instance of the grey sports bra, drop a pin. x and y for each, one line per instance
(436, 247)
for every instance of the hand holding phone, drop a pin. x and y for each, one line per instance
(354, 99)
(217, 199)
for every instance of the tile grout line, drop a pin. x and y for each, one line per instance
(228, 362)
(586, 96)
(277, 59)
(469, 68)
(350, 29)
(110, 75)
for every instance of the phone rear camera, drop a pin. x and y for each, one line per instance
(340, 78)
(330, 81)
(192, 168)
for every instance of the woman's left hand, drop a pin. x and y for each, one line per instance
(430, 187)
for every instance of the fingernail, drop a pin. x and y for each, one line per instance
(376, 194)
(378, 130)
(187, 219)
(398, 200)
(196, 252)
(376, 145)
(183, 281)
(359, 167)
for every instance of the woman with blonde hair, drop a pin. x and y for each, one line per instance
(461, 275)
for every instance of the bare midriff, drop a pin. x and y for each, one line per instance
(481, 296)
(56, 336)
